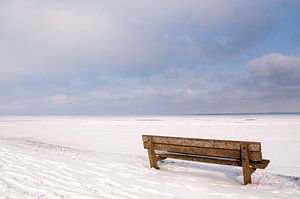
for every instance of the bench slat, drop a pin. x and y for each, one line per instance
(201, 159)
(260, 164)
(234, 154)
(205, 143)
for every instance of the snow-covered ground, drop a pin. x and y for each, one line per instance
(103, 157)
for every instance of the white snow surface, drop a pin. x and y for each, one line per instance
(103, 157)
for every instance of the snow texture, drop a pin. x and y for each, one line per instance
(104, 158)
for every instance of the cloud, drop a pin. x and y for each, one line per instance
(61, 36)
(277, 68)
(63, 56)
(175, 90)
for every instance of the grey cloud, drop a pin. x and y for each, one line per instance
(38, 38)
(277, 69)
(135, 56)
(211, 94)
(175, 90)
(271, 84)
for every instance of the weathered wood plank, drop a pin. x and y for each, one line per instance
(246, 164)
(151, 154)
(259, 164)
(201, 159)
(206, 143)
(235, 154)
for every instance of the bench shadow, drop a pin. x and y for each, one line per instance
(233, 173)
(293, 179)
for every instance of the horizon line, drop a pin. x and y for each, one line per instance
(170, 114)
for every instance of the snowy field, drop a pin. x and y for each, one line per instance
(103, 157)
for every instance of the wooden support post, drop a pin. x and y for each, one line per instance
(246, 164)
(151, 154)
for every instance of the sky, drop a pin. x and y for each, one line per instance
(107, 57)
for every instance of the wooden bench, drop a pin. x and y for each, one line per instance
(247, 155)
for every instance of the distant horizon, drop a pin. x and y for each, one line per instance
(183, 114)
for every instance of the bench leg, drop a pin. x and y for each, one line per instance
(247, 170)
(151, 155)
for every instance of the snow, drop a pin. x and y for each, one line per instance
(103, 157)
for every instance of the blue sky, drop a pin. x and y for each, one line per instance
(149, 57)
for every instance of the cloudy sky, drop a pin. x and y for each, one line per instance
(149, 57)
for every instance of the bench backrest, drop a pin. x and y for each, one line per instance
(203, 147)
